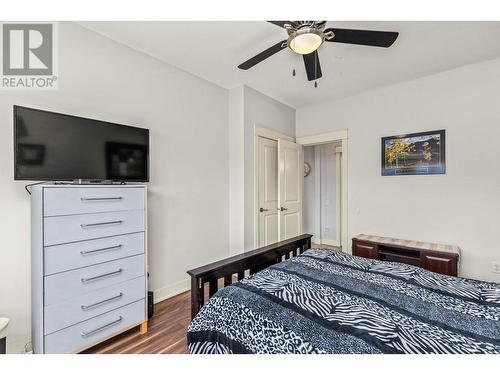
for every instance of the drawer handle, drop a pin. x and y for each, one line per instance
(87, 252)
(93, 225)
(90, 333)
(97, 304)
(365, 247)
(101, 199)
(95, 278)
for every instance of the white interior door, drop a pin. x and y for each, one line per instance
(290, 187)
(268, 191)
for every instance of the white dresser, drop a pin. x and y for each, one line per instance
(88, 264)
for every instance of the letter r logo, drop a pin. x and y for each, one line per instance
(27, 49)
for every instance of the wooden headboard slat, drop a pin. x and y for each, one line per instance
(254, 261)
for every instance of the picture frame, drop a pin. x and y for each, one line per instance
(414, 154)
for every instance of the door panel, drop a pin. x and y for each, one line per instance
(290, 186)
(292, 223)
(268, 191)
(270, 153)
(291, 180)
(270, 228)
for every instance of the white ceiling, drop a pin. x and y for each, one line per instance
(213, 50)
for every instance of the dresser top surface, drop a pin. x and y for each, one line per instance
(85, 186)
(452, 249)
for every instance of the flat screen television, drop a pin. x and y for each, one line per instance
(51, 146)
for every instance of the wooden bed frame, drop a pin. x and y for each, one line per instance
(237, 267)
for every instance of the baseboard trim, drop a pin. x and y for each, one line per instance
(330, 242)
(323, 241)
(172, 290)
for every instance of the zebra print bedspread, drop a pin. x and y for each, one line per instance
(327, 301)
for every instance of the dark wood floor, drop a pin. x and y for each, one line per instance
(166, 333)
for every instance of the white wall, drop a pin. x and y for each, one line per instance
(328, 192)
(461, 207)
(248, 108)
(188, 119)
(236, 170)
(262, 110)
(311, 197)
(320, 189)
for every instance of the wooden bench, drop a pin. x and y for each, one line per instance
(430, 256)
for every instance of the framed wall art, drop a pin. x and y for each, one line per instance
(411, 154)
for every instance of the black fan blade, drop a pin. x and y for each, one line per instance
(263, 55)
(313, 68)
(363, 37)
(279, 23)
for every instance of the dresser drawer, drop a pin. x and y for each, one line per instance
(70, 256)
(365, 250)
(65, 229)
(86, 306)
(71, 284)
(86, 334)
(447, 264)
(86, 200)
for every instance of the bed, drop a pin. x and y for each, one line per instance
(325, 301)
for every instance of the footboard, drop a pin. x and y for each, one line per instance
(226, 271)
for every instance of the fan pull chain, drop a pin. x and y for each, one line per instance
(296, 63)
(316, 70)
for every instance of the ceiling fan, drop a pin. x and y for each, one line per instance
(305, 37)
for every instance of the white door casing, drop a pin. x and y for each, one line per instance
(339, 135)
(290, 188)
(268, 191)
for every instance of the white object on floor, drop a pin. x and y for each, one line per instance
(4, 322)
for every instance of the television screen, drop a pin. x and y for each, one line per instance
(51, 146)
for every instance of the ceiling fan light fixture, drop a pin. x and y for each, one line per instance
(305, 40)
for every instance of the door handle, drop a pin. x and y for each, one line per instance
(282, 209)
(263, 209)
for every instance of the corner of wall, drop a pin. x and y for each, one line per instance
(236, 170)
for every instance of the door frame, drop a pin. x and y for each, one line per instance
(335, 136)
(261, 131)
(338, 205)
